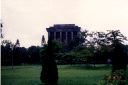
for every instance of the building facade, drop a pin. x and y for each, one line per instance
(64, 33)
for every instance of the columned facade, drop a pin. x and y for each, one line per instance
(63, 33)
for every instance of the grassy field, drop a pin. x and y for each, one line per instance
(68, 75)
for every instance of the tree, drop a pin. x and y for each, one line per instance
(119, 55)
(34, 54)
(49, 73)
(23, 55)
(98, 39)
(97, 44)
(114, 36)
(16, 57)
(10, 53)
(83, 37)
(6, 52)
(17, 44)
(78, 41)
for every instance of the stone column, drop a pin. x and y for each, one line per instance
(54, 35)
(66, 37)
(60, 36)
(71, 35)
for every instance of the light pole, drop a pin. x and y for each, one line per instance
(12, 47)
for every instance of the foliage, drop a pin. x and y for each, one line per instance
(80, 56)
(119, 57)
(114, 36)
(119, 77)
(49, 73)
(99, 39)
(77, 41)
(34, 54)
(119, 51)
(6, 52)
(13, 53)
(89, 47)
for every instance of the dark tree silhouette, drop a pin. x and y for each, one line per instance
(119, 55)
(24, 59)
(114, 36)
(6, 52)
(34, 54)
(16, 57)
(49, 73)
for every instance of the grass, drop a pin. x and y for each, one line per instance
(68, 75)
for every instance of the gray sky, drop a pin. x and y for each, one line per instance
(27, 20)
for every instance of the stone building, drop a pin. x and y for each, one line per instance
(63, 33)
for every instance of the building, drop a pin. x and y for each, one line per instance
(63, 33)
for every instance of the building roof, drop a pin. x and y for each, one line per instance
(63, 27)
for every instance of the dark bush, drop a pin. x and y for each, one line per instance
(49, 73)
(119, 57)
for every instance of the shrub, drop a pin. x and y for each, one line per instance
(118, 77)
(49, 73)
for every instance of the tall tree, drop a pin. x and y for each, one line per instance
(43, 42)
(114, 36)
(49, 73)
(97, 42)
(119, 55)
(6, 52)
(78, 41)
(16, 57)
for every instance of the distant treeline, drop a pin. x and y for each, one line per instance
(20, 55)
(88, 48)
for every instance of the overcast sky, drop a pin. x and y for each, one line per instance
(27, 20)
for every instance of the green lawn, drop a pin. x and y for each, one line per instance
(68, 75)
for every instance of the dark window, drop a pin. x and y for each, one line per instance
(69, 36)
(63, 36)
(52, 35)
(57, 35)
(74, 34)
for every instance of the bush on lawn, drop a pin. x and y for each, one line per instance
(49, 73)
(118, 77)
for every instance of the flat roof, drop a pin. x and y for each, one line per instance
(63, 27)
